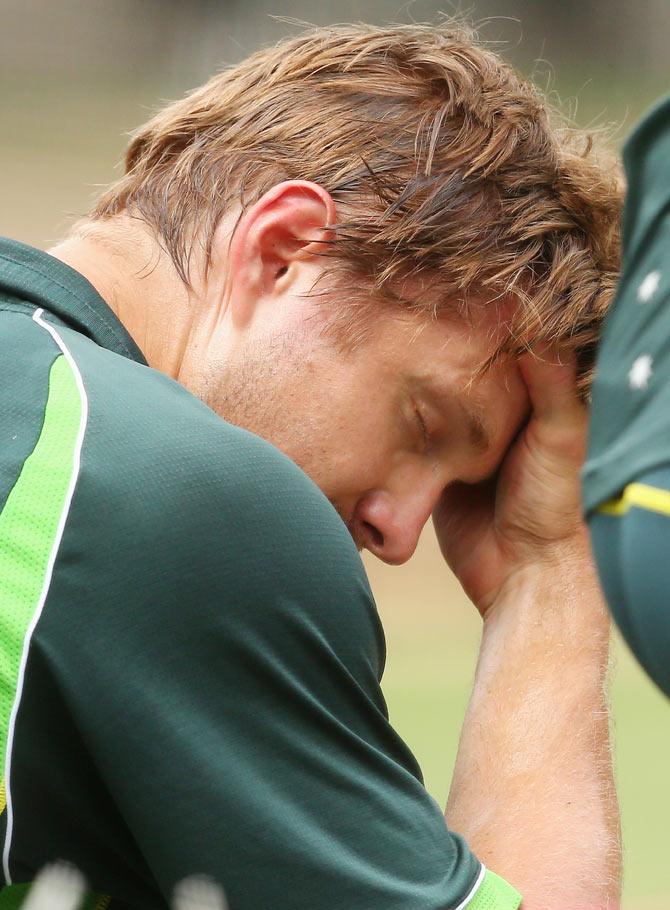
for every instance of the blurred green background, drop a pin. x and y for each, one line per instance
(77, 75)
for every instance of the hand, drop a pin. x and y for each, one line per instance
(529, 515)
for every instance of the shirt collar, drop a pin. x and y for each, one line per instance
(34, 276)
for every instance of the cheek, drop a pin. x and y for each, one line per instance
(359, 450)
(363, 452)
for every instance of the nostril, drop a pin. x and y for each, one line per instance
(373, 535)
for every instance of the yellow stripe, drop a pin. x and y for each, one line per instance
(3, 797)
(104, 902)
(638, 496)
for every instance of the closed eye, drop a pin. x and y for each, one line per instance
(425, 434)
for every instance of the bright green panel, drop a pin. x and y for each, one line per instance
(12, 897)
(29, 525)
(495, 893)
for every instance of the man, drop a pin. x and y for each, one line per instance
(626, 478)
(343, 245)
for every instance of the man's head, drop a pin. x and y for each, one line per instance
(364, 219)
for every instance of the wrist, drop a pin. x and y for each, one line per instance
(556, 596)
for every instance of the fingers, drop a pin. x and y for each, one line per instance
(558, 423)
(551, 378)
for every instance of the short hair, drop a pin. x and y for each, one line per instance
(442, 160)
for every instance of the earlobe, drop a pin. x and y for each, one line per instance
(289, 225)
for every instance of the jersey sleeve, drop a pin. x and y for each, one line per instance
(232, 702)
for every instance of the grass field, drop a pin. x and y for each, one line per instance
(432, 638)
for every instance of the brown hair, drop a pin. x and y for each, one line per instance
(442, 157)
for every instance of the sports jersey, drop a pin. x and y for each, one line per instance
(629, 429)
(190, 654)
(626, 477)
(630, 543)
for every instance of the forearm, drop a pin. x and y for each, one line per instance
(533, 790)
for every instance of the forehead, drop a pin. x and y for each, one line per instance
(451, 346)
(443, 358)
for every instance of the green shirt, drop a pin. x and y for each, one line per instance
(190, 655)
(630, 416)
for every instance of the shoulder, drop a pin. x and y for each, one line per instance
(204, 512)
(24, 345)
(148, 436)
(646, 163)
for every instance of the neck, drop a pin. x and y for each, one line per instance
(138, 281)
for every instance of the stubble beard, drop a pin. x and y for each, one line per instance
(265, 398)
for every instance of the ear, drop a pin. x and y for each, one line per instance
(272, 240)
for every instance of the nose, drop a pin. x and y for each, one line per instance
(389, 527)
